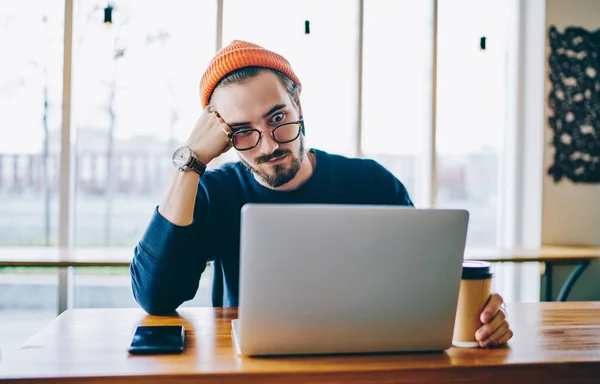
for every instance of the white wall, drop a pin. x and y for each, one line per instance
(570, 212)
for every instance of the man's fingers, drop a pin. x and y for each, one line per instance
(491, 308)
(504, 338)
(495, 336)
(224, 126)
(488, 330)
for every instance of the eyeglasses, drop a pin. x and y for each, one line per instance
(246, 139)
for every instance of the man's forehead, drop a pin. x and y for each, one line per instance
(251, 99)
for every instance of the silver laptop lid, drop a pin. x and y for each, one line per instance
(335, 278)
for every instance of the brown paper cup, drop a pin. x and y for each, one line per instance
(475, 290)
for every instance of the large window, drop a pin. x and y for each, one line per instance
(397, 67)
(135, 99)
(31, 42)
(471, 100)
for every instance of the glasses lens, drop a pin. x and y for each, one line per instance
(245, 139)
(287, 132)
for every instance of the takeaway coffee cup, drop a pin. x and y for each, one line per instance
(475, 290)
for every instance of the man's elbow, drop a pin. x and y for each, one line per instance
(148, 295)
(157, 308)
(154, 304)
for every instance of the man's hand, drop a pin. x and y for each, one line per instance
(495, 329)
(210, 136)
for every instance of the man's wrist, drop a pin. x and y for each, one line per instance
(202, 159)
(200, 155)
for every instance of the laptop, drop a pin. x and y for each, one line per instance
(337, 279)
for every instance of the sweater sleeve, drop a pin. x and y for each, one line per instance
(169, 260)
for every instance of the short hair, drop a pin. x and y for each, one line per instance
(241, 75)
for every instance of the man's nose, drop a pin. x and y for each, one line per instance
(267, 144)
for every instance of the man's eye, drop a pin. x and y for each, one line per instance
(243, 133)
(278, 117)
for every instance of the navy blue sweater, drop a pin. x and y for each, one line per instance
(169, 259)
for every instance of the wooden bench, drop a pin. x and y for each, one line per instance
(66, 259)
(548, 256)
(63, 258)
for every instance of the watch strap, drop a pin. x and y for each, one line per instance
(197, 166)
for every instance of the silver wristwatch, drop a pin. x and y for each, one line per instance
(184, 159)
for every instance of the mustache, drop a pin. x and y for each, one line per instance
(276, 153)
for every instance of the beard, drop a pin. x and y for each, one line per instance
(280, 175)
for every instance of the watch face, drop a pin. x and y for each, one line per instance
(181, 157)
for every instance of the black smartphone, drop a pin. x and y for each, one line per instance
(157, 339)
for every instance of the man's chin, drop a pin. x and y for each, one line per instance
(276, 171)
(278, 175)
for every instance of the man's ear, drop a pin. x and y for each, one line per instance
(296, 99)
(300, 117)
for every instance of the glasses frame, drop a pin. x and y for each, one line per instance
(299, 123)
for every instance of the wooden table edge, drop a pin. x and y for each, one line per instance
(538, 371)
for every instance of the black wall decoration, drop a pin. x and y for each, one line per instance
(575, 103)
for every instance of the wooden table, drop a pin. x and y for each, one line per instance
(548, 256)
(553, 342)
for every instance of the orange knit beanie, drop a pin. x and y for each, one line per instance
(240, 54)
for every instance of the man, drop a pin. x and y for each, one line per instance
(251, 101)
